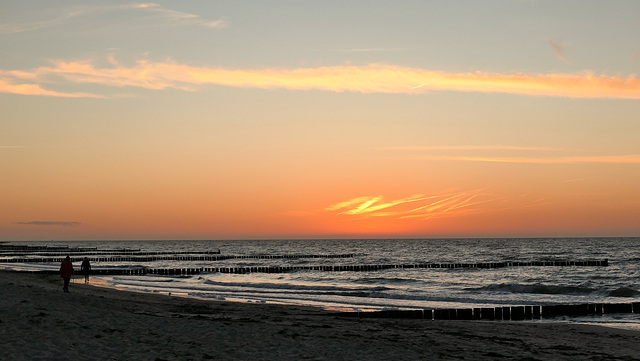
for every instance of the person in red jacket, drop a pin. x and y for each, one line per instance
(66, 270)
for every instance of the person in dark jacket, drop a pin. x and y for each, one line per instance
(85, 269)
(66, 271)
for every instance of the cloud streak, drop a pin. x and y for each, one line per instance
(472, 147)
(414, 207)
(167, 15)
(364, 205)
(179, 17)
(558, 50)
(610, 159)
(535, 159)
(11, 87)
(368, 50)
(49, 223)
(374, 78)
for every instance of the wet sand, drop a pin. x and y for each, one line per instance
(40, 322)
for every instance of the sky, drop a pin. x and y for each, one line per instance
(319, 119)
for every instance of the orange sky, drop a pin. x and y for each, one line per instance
(252, 120)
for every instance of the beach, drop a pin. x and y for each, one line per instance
(40, 322)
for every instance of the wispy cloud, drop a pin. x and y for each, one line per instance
(179, 17)
(541, 155)
(368, 50)
(13, 87)
(612, 159)
(471, 147)
(35, 25)
(362, 205)
(578, 179)
(374, 78)
(558, 50)
(417, 206)
(165, 15)
(50, 223)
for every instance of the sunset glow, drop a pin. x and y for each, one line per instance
(208, 120)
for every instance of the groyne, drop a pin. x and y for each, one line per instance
(504, 313)
(174, 257)
(325, 268)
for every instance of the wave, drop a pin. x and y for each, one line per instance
(536, 289)
(254, 290)
(389, 280)
(143, 279)
(296, 287)
(623, 292)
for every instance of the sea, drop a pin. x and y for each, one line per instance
(372, 289)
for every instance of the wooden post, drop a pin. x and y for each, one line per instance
(581, 310)
(477, 312)
(440, 314)
(488, 313)
(617, 308)
(549, 311)
(498, 313)
(517, 313)
(453, 314)
(465, 314)
(528, 312)
(506, 313)
(428, 314)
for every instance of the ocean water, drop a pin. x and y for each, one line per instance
(396, 288)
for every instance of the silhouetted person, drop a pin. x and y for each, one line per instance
(66, 270)
(85, 269)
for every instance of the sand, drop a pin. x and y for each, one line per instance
(40, 322)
